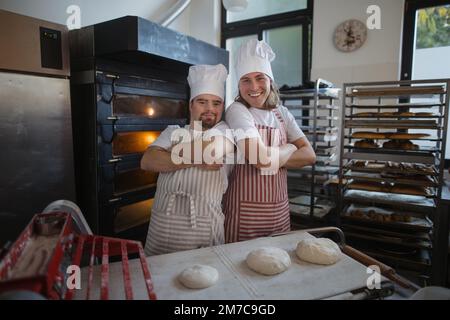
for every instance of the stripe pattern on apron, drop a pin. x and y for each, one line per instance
(187, 212)
(257, 205)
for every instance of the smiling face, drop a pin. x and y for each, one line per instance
(206, 108)
(254, 88)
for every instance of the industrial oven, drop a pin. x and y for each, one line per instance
(128, 84)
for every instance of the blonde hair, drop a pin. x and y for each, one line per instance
(272, 101)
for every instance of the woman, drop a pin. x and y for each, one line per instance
(256, 203)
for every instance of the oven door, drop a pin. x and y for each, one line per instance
(134, 100)
(127, 217)
(125, 178)
(120, 143)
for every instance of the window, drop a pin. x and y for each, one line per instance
(426, 45)
(286, 25)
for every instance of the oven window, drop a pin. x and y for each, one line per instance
(133, 142)
(133, 215)
(134, 180)
(151, 107)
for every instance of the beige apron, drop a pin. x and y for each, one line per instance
(187, 212)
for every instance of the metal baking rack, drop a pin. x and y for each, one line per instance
(315, 111)
(394, 107)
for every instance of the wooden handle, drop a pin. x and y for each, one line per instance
(385, 270)
(366, 260)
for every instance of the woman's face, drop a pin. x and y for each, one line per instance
(254, 88)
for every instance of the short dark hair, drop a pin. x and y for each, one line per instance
(272, 101)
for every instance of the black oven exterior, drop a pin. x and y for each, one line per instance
(124, 93)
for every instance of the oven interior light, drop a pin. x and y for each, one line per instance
(151, 137)
(151, 112)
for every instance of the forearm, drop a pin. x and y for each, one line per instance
(262, 156)
(304, 156)
(204, 151)
(160, 160)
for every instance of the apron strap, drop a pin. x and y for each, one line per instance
(192, 212)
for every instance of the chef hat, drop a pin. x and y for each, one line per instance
(207, 79)
(254, 56)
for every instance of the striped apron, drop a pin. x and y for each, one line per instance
(257, 205)
(186, 212)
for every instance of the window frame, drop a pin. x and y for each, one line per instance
(409, 24)
(257, 26)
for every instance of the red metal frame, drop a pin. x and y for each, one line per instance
(50, 282)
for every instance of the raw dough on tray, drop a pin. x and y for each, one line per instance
(199, 277)
(318, 251)
(268, 260)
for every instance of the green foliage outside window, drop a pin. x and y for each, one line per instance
(433, 27)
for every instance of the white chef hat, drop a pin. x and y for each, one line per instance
(207, 79)
(254, 56)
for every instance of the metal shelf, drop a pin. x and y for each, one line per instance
(318, 135)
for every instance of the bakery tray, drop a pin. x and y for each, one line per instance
(320, 107)
(388, 189)
(351, 166)
(417, 226)
(420, 152)
(406, 202)
(322, 170)
(377, 177)
(404, 91)
(401, 236)
(415, 243)
(327, 118)
(323, 93)
(395, 105)
(392, 124)
(395, 138)
(375, 116)
(389, 156)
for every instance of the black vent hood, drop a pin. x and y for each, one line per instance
(136, 40)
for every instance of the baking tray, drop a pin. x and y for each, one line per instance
(350, 166)
(427, 159)
(406, 202)
(391, 124)
(237, 282)
(422, 236)
(319, 107)
(420, 152)
(402, 105)
(323, 93)
(404, 91)
(431, 193)
(378, 116)
(378, 178)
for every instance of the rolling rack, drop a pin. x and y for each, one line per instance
(391, 171)
(315, 111)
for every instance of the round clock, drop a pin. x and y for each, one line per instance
(350, 35)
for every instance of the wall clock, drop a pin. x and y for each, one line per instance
(350, 35)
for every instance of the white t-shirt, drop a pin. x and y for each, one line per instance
(239, 116)
(165, 138)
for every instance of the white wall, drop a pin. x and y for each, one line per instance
(377, 60)
(201, 19)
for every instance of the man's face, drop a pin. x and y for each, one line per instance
(254, 88)
(206, 108)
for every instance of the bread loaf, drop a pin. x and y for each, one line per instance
(368, 135)
(366, 143)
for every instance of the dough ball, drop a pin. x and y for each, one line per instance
(268, 261)
(199, 277)
(318, 251)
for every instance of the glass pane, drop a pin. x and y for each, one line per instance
(431, 52)
(232, 45)
(261, 8)
(133, 180)
(151, 107)
(286, 42)
(133, 215)
(133, 142)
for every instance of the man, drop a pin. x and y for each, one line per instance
(186, 212)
